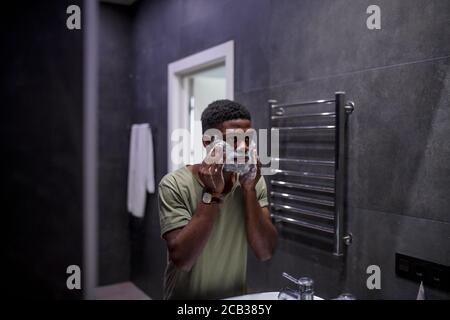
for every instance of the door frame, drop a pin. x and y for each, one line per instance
(177, 95)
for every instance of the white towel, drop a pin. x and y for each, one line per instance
(141, 169)
(131, 168)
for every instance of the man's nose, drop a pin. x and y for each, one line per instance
(242, 146)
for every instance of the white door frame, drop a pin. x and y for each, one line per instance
(178, 114)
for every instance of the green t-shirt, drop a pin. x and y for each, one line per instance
(220, 270)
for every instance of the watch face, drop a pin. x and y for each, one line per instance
(207, 197)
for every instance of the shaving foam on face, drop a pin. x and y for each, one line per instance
(240, 165)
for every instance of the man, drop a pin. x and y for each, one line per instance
(208, 216)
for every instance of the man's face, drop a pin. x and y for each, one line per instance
(234, 132)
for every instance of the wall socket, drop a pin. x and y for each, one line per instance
(432, 274)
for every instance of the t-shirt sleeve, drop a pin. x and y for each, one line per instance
(173, 212)
(261, 192)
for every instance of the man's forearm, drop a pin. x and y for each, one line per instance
(189, 242)
(261, 233)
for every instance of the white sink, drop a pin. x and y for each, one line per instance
(262, 296)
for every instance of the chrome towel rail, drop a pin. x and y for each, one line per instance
(307, 161)
(328, 190)
(275, 105)
(301, 186)
(302, 223)
(305, 128)
(306, 212)
(302, 199)
(304, 174)
(306, 115)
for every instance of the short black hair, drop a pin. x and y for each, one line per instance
(222, 110)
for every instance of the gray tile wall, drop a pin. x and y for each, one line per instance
(399, 79)
(116, 102)
(41, 129)
(398, 76)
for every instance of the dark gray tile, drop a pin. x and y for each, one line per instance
(149, 258)
(198, 10)
(429, 195)
(192, 39)
(116, 103)
(312, 39)
(42, 125)
(155, 21)
(113, 225)
(151, 77)
(114, 137)
(252, 63)
(252, 47)
(256, 103)
(396, 136)
(299, 260)
(247, 24)
(378, 236)
(115, 57)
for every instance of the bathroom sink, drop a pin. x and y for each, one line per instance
(262, 296)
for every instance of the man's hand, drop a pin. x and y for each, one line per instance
(249, 180)
(261, 233)
(211, 171)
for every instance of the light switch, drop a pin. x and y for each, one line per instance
(418, 270)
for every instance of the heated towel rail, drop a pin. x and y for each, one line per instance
(308, 188)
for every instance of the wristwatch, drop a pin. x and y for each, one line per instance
(209, 198)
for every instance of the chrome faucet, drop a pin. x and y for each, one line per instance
(305, 289)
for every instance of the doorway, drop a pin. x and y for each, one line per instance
(203, 87)
(194, 82)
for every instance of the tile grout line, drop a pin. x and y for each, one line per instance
(400, 215)
(343, 74)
